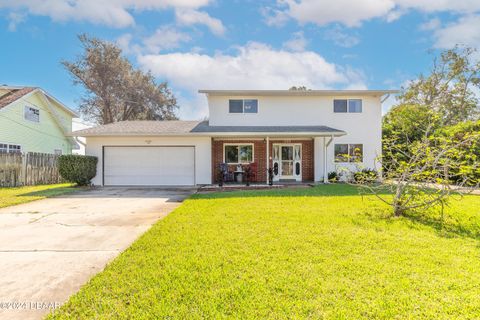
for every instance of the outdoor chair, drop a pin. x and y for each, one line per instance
(226, 174)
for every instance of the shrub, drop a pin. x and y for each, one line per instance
(332, 176)
(78, 169)
(365, 176)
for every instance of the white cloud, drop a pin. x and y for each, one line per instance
(347, 12)
(431, 24)
(165, 37)
(341, 38)
(353, 13)
(15, 18)
(297, 42)
(465, 31)
(111, 13)
(429, 6)
(191, 17)
(246, 69)
(274, 17)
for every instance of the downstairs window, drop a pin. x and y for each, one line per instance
(238, 153)
(348, 152)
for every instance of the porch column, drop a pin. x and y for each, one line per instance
(268, 156)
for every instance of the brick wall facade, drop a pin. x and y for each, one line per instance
(259, 154)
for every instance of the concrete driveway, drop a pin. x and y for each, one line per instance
(50, 248)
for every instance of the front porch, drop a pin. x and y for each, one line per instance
(291, 159)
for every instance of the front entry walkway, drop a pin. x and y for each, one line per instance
(49, 248)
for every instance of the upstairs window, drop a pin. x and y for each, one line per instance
(348, 152)
(235, 106)
(355, 105)
(32, 114)
(243, 106)
(340, 106)
(10, 148)
(347, 105)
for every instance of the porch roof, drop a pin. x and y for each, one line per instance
(204, 127)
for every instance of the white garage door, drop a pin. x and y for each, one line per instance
(149, 166)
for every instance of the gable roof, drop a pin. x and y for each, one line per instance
(196, 128)
(15, 93)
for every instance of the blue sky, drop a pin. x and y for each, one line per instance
(204, 44)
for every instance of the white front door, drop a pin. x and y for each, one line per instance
(287, 162)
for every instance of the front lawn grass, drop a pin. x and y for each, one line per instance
(18, 195)
(318, 253)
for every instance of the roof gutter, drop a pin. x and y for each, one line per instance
(210, 134)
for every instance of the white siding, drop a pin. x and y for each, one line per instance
(202, 146)
(364, 127)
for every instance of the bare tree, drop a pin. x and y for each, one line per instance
(115, 90)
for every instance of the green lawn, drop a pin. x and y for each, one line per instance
(319, 253)
(13, 196)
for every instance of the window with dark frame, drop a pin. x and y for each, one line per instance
(241, 153)
(349, 152)
(243, 106)
(347, 105)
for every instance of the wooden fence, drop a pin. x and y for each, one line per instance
(27, 169)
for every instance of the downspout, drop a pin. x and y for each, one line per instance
(325, 146)
(385, 99)
(76, 140)
(268, 156)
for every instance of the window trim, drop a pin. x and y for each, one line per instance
(32, 108)
(243, 106)
(13, 144)
(348, 105)
(348, 154)
(361, 105)
(238, 144)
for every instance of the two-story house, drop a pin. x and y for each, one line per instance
(301, 135)
(32, 120)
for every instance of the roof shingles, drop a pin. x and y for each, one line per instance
(13, 95)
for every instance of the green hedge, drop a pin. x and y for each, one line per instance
(78, 169)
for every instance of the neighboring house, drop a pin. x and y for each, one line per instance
(303, 135)
(31, 120)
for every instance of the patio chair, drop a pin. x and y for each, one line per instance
(225, 173)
